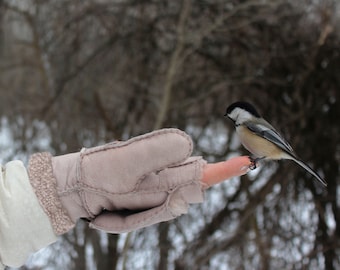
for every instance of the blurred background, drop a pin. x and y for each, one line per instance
(82, 73)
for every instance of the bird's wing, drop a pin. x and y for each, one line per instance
(269, 133)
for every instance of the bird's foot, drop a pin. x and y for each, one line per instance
(254, 162)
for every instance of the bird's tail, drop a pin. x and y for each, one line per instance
(310, 170)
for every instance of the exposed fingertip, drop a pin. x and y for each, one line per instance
(218, 172)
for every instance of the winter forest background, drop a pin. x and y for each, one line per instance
(82, 73)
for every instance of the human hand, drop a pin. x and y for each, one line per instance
(123, 186)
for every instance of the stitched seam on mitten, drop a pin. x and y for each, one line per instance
(111, 146)
(197, 164)
(150, 218)
(156, 133)
(140, 223)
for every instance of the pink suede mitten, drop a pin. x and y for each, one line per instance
(120, 186)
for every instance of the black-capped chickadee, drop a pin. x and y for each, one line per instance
(260, 138)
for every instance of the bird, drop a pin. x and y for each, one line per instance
(260, 138)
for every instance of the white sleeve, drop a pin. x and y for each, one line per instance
(24, 226)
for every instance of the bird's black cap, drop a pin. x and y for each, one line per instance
(243, 105)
